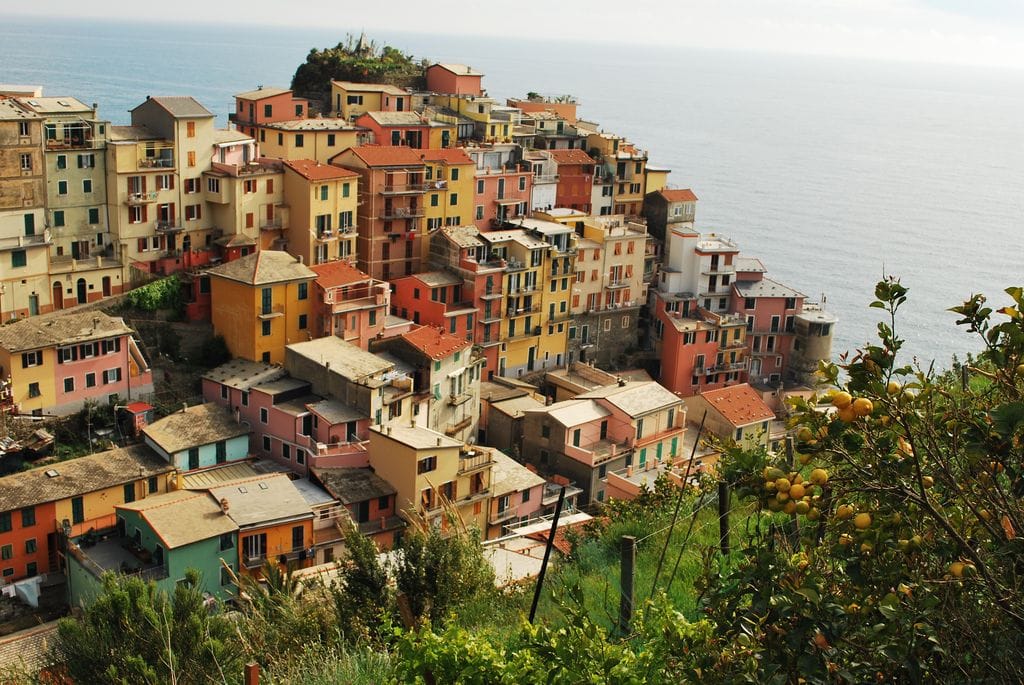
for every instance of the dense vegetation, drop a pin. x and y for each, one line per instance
(360, 61)
(885, 551)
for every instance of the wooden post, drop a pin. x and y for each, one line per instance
(627, 563)
(723, 517)
(252, 673)
(547, 553)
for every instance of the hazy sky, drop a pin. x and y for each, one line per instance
(985, 32)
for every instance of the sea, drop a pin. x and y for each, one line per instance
(835, 172)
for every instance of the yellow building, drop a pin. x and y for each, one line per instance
(322, 201)
(349, 100)
(538, 273)
(261, 303)
(316, 139)
(657, 178)
(626, 164)
(24, 239)
(426, 467)
(449, 198)
(247, 203)
(493, 122)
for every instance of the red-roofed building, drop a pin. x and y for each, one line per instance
(391, 208)
(446, 378)
(265, 106)
(454, 79)
(408, 129)
(435, 298)
(735, 412)
(575, 179)
(322, 202)
(669, 208)
(349, 303)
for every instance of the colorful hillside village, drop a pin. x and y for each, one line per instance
(433, 301)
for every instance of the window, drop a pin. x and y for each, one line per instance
(31, 547)
(62, 161)
(58, 218)
(303, 322)
(33, 390)
(26, 162)
(453, 199)
(23, 129)
(62, 187)
(192, 184)
(749, 303)
(426, 465)
(303, 291)
(265, 328)
(576, 437)
(153, 484)
(213, 185)
(5, 522)
(433, 199)
(90, 380)
(193, 458)
(227, 541)
(193, 212)
(77, 510)
(479, 212)
(268, 110)
(222, 451)
(522, 183)
(300, 456)
(298, 537)
(190, 129)
(8, 572)
(18, 258)
(94, 215)
(266, 443)
(264, 416)
(639, 428)
(299, 140)
(6, 552)
(129, 492)
(69, 385)
(191, 158)
(28, 517)
(330, 140)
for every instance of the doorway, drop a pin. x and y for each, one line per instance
(58, 295)
(83, 291)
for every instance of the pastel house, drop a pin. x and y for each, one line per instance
(159, 538)
(198, 437)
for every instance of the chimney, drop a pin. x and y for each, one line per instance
(184, 407)
(224, 506)
(439, 441)
(621, 381)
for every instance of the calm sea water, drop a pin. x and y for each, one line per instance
(833, 172)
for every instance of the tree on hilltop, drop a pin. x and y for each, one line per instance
(357, 60)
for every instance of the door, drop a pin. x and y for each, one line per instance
(58, 295)
(363, 514)
(530, 358)
(33, 305)
(675, 447)
(106, 286)
(82, 290)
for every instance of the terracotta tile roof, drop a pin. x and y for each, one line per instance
(351, 86)
(740, 405)
(679, 195)
(379, 155)
(180, 107)
(79, 476)
(64, 328)
(571, 157)
(261, 93)
(434, 342)
(448, 156)
(264, 267)
(315, 171)
(183, 517)
(29, 649)
(203, 424)
(338, 273)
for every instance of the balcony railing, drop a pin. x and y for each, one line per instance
(274, 224)
(272, 311)
(402, 213)
(257, 560)
(166, 226)
(616, 283)
(141, 198)
(522, 311)
(459, 398)
(529, 333)
(400, 188)
(474, 461)
(503, 516)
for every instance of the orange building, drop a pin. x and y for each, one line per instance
(275, 523)
(392, 185)
(349, 303)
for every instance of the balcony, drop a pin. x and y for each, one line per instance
(402, 213)
(327, 234)
(272, 311)
(723, 368)
(406, 188)
(503, 516)
(490, 316)
(530, 333)
(492, 295)
(275, 224)
(515, 265)
(251, 561)
(104, 552)
(141, 198)
(616, 284)
(523, 311)
(559, 317)
(156, 158)
(380, 525)
(551, 491)
(545, 178)
(474, 460)
(458, 399)
(454, 428)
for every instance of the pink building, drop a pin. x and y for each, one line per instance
(517, 494)
(265, 106)
(435, 298)
(500, 195)
(771, 310)
(454, 79)
(290, 424)
(369, 500)
(349, 303)
(55, 363)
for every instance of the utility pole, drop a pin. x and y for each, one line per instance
(627, 564)
(723, 518)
